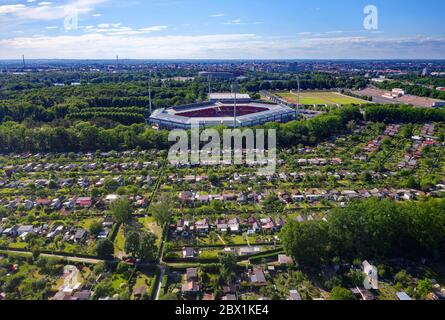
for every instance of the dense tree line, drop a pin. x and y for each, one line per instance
(34, 97)
(370, 229)
(403, 114)
(125, 118)
(100, 134)
(15, 137)
(308, 81)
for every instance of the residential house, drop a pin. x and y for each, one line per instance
(190, 288)
(257, 277)
(403, 296)
(191, 274)
(294, 295)
(139, 292)
(186, 196)
(84, 202)
(188, 253)
(221, 225)
(234, 225)
(25, 229)
(284, 260)
(245, 251)
(80, 235)
(362, 294)
(202, 226)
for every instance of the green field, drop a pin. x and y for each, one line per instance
(318, 97)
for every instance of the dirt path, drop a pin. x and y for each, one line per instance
(221, 239)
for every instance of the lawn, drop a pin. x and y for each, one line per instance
(316, 97)
(304, 98)
(119, 242)
(151, 226)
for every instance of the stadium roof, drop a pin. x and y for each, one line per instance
(171, 118)
(228, 96)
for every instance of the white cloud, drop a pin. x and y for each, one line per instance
(217, 15)
(235, 21)
(153, 29)
(46, 10)
(107, 39)
(116, 29)
(11, 8)
(94, 45)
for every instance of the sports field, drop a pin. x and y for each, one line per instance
(320, 97)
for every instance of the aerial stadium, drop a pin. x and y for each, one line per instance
(225, 109)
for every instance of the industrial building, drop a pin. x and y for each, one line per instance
(216, 75)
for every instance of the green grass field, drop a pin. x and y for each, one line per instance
(318, 97)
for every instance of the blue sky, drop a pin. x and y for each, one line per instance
(225, 29)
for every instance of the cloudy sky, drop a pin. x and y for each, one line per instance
(221, 29)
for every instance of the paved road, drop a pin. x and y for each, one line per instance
(159, 284)
(72, 259)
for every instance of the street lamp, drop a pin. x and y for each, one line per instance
(235, 89)
(298, 98)
(149, 91)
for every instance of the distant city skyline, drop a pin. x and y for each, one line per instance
(220, 29)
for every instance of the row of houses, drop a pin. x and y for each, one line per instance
(185, 228)
(309, 195)
(80, 155)
(71, 234)
(84, 182)
(68, 234)
(69, 203)
(315, 195)
(319, 161)
(55, 167)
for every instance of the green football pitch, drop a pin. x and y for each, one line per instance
(318, 97)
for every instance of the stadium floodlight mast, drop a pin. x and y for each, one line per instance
(209, 78)
(298, 98)
(149, 91)
(234, 87)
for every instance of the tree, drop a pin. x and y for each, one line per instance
(95, 228)
(104, 249)
(132, 243)
(340, 293)
(35, 252)
(273, 203)
(214, 179)
(3, 212)
(141, 245)
(99, 268)
(228, 267)
(121, 210)
(403, 279)
(162, 212)
(305, 242)
(424, 287)
(148, 248)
